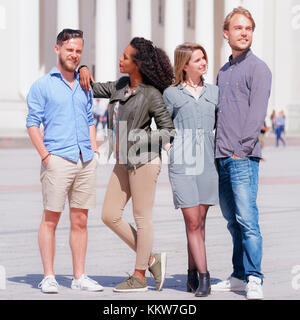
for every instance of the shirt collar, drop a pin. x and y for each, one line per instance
(121, 95)
(181, 87)
(240, 58)
(55, 71)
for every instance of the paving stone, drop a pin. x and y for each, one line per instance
(108, 258)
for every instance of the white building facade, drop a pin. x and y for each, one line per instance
(28, 30)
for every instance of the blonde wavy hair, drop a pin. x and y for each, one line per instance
(182, 56)
(238, 10)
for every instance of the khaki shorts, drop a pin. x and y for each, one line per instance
(64, 178)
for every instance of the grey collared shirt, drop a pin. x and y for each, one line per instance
(245, 85)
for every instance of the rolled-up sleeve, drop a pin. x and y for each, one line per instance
(36, 106)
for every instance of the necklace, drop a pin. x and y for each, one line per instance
(195, 87)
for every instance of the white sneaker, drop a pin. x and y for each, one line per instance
(230, 284)
(86, 283)
(254, 289)
(49, 285)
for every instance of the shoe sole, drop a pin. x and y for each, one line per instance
(254, 297)
(50, 292)
(131, 290)
(203, 295)
(163, 263)
(87, 289)
(257, 298)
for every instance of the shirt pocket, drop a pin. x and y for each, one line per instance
(239, 90)
(183, 115)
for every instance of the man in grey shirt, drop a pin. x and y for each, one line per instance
(245, 84)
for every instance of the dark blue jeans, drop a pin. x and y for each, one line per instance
(238, 185)
(278, 132)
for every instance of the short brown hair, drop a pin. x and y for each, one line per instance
(238, 10)
(182, 56)
(67, 34)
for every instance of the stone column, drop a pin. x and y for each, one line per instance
(286, 71)
(106, 40)
(257, 10)
(67, 14)
(174, 26)
(229, 5)
(29, 59)
(141, 18)
(3, 24)
(204, 33)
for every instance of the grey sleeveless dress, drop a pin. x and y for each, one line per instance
(192, 168)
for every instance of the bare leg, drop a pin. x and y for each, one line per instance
(46, 239)
(78, 239)
(194, 218)
(141, 273)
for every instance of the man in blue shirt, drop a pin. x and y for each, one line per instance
(245, 84)
(68, 152)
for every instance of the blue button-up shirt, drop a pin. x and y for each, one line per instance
(65, 113)
(245, 85)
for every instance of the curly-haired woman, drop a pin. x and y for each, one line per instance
(192, 171)
(134, 101)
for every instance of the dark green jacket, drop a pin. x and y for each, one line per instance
(137, 143)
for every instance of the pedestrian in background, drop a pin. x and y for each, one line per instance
(272, 119)
(261, 137)
(100, 114)
(279, 124)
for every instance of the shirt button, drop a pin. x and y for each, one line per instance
(227, 83)
(223, 97)
(220, 111)
(230, 69)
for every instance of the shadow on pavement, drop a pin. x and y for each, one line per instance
(35, 279)
(175, 281)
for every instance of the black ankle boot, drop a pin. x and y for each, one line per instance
(203, 289)
(192, 281)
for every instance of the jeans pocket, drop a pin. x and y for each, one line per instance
(241, 171)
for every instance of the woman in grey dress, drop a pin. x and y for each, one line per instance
(193, 176)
